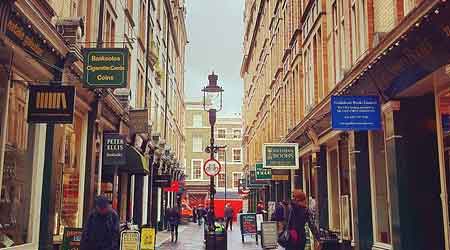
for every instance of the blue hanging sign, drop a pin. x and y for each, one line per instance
(355, 113)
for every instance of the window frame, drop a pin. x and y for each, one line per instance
(195, 121)
(221, 129)
(233, 179)
(192, 169)
(194, 144)
(240, 155)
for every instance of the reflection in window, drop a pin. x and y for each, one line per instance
(379, 187)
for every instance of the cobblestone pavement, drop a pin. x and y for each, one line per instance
(191, 238)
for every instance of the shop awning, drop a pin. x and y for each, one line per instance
(137, 163)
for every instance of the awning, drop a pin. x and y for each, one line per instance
(137, 163)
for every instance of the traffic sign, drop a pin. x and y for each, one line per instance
(212, 167)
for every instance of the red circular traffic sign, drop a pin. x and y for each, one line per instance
(212, 167)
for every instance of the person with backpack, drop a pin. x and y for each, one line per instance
(294, 235)
(173, 219)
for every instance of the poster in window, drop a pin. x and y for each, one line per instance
(344, 201)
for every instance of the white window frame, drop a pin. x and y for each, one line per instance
(195, 121)
(232, 154)
(217, 154)
(362, 26)
(217, 180)
(192, 169)
(194, 144)
(221, 129)
(240, 133)
(233, 179)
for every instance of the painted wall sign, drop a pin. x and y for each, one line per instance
(148, 238)
(130, 240)
(71, 238)
(51, 104)
(263, 173)
(355, 113)
(113, 149)
(139, 121)
(105, 67)
(280, 155)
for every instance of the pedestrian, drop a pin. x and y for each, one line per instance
(260, 208)
(279, 216)
(173, 219)
(194, 214)
(200, 215)
(299, 214)
(101, 231)
(228, 215)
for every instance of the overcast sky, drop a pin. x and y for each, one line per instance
(215, 43)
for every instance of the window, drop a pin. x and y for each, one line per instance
(197, 121)
(333, 189)
(221, 180)
(354, 33)
(221, 155)
(197, 169)
(221, 133)
(197, 144)
(140, 95)
(378, 180)
(362, 26)
(236, 178)
(408, 6)
(142, 21)
(336, 47)
(237, 154)
(130, 5)
(309, 79)
(236, 133)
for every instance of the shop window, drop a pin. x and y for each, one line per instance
(197, 169)
(380, 199)
(19, 165)
(221, 133)
(333, 190)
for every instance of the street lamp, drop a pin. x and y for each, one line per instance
(212, 103)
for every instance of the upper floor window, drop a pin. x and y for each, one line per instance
(197, 121)
(236, 133)
(237, 155)
(408, 5)
(221, 133)
(197, 144)
(221, 155)
(236, 177)
(197, 169)
(221, 180)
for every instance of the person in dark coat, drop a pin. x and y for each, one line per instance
(228, 216)
(300, 215)
(194, 214)
(200, 214)
(101, 231)
(173, 219)
(279, 215)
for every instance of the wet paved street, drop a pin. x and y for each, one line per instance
(191, 238)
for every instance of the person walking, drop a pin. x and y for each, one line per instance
(299, 214)
(228, 215)
(102, 228)
(200, 214)
(173, 219)
(279, 215)
(194, 214)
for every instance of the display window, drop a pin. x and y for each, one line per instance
(22, 159)
(68, 162)
(379, 188)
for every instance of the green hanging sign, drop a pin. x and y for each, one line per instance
(263, 173)
(105, 67)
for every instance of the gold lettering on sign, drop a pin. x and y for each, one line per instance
(47, 100)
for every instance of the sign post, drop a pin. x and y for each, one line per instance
(212, 167)
(280, 155)
(105, 67)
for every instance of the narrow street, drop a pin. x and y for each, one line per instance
(190, 238)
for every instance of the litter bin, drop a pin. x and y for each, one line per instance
(216, 240)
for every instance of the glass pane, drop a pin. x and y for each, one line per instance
(444, 109)
(379, 194)
(17, 173)
(334, 190)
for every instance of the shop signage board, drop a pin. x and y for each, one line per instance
(212, 167)
(148, 238)
(263, 173)
(113, 149)
(139, 120)
(269, 235)
(105, 67)
(280, 155)
(248, 225)
(355, 113)
(163, 181)
(253, 183)
(130, 240)
(51, 104)
(72, 238)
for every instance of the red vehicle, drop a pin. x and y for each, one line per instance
(186, 210)
(219, 206)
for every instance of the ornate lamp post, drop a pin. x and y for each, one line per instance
(212, 103)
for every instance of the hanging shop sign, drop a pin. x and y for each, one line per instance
(355, 113)
(130, 240)
(113, 149)
(148, 238)
(212, 167)
(72, 238)
(105, 67)
(163, 181)
(139, 121)
(253, 183)
(242, 187)
(51, 104)
(263, 173)
(280, 155)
